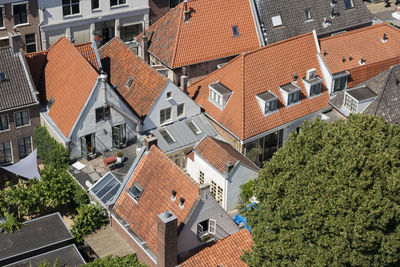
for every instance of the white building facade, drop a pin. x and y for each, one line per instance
(82, 21)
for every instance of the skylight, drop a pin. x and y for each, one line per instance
(193, 127)
(130, 81)
(235, 31)
(3, 76)
(348, 4)
(276, 20)
(136, 191)
(166, 135)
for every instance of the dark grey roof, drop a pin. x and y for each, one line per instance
(183, 136)
(220, 88)
(66, 256)
(266, 96)
(16, 90)
(294, 21)
(386, 86)
(289, 87)
(361, 93)
(35, 236)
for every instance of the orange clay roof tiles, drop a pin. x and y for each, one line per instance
(158, 176)
(366, 42)
(121, 63)
(225, 252)
(218, 153)
(69, 79)
(87, 51)
(206, 36)
(256, 72)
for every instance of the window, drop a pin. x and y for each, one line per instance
(24, 147)
(348, 4)
(169, 95)
(21, 118)
(235, 31)
(193, 127)
(5, 153)
(217, 98)
(270, 106)
(4, 122)
(103, 113)
(30, 43)
(340, 84)
(350, 104)
(20, 13)
(293, 98)
(205, 228)
(117, 2)
(173, 3)
(167, 136)
(315, 89)
(128, 33)
(201, 177)
(217, 192)
(70, 7)
(165, 115)
(180, 110)
(1, 17)
(130, 81)
(308, 14)
(276, 21)
(135, 191)
(95, 4)
(3, 76)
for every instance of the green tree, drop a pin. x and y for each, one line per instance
(246, 192)
(89, 218)
(11, 223)
(330, 197)
(130, 260)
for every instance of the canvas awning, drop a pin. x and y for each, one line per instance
(26, 167)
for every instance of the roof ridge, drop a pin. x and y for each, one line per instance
(362, 29)
(227, 154)
(177, 36)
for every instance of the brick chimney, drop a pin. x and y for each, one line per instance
(15, 41)
(145, 48)
(184, 80)
(167, 237)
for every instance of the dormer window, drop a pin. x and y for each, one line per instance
(290, 93)
(312, 83)
(268, 102)
(276, 20)
(340, 81)
(235, 31)
(205, 228)
(135, 191)
(219, 94)
(356, 100)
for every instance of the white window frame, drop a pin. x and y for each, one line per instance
(169, 95)
(275, 100)
(95, 9)
(352, 100)
(8, 123)
(3, 13)
(201, 177)
(70, 6)
(166, 120)
(11, 152)
(276, 20)
(119, 4)
(337, 78)
(216, 97)
(27, 13)
(308, 15)
(183, 110)
(289, 103)
(139, 187)
(23, 125)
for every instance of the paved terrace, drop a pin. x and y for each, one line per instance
(94, 169)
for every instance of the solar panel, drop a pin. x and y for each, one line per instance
(105, 188)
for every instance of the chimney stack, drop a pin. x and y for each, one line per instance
(167, 236)
(15, 41)
(103, 80)
(145, 48)
(186, 13)
(149, 141)
(184, 80)
(229, 167)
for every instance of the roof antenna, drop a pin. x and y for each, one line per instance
(384, 38)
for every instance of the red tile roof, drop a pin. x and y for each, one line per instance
(256, 72)
(366, 42)
(226, 252)
(121, 63)
(69, 79)
(219, 153)
(158, 176)
(87, 51)
(206, 36)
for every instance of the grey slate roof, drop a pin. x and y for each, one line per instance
(294, 22)
(15, 91)
(386, 86)
(182, 134)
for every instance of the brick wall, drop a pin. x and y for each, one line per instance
(13, 134)
(32, 27)
(228, 137)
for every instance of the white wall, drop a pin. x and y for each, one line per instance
(53, 22)
(152, 120)
(87, 123)
(326, 74)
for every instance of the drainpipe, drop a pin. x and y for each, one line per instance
(41, 17)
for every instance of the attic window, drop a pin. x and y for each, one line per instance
(312, 83)
(130, 81)
(291, 93)
(135, 191)
(348, 4)
(193, 127)
(268, 102)
(169, 95)
(3, 76)
(205, 228)
(357, 99)
(276, 20)
(235, 31)
(167, 136)
(103, 113)
(219, 94)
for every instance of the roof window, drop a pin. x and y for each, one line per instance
(348, 4)
(167, 136)
(130, 81)
(276, 20)
(3, 76)
(290, 93)
(219, 94)
(268, 102)
(235, 31)
(308, 14)
(193, 127)
(135, 191)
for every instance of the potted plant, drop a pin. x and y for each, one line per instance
(120, 157)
